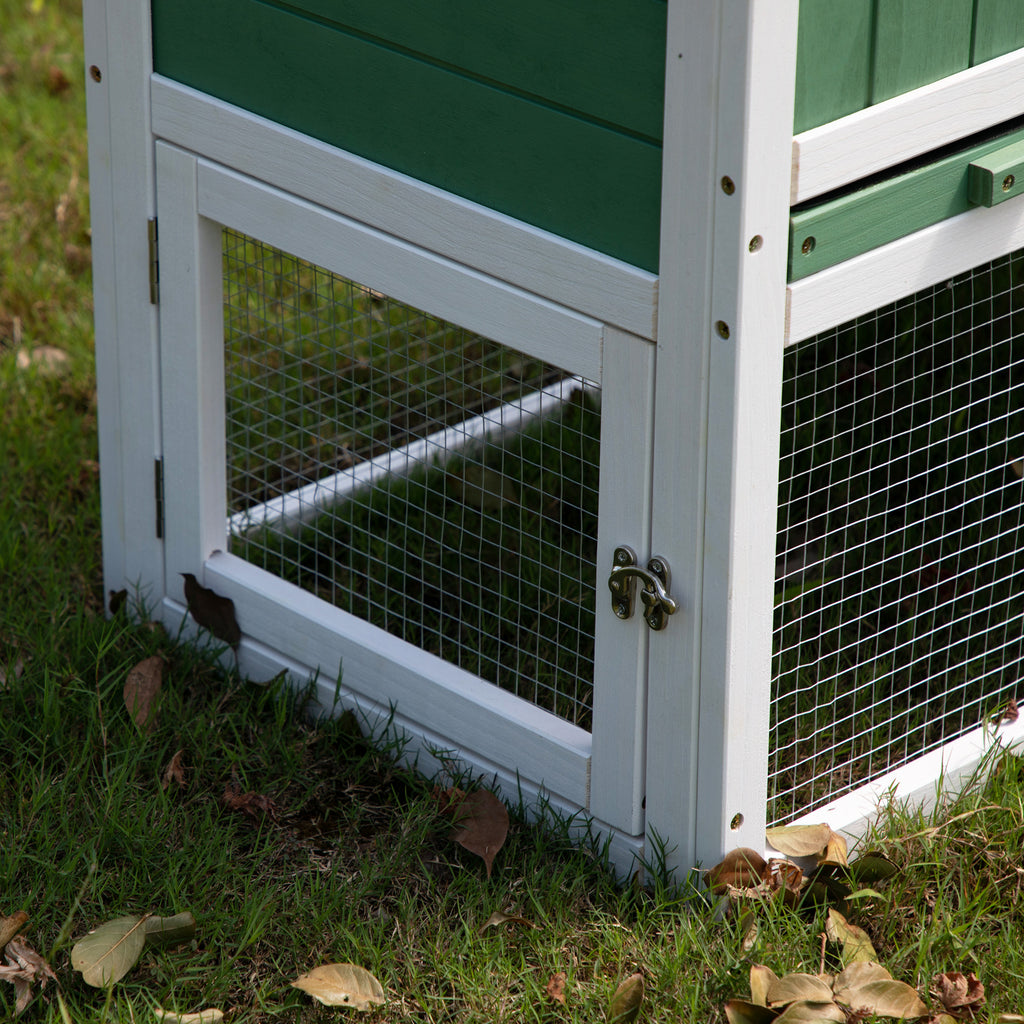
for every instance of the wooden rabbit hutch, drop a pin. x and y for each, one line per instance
(627, 398)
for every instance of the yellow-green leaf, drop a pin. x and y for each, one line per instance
(854, 940)
(342, 985)
(761, 980)
(625, 1004)
(110, 951)
(170, 931)
(794, 987)
(739, 1011)
(800, 840)
(811, 1012)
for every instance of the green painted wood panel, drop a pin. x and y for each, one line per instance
(833, 62)
(839, 229)
(998, 28)
(604, 60)
(917, 42)
(580, 179)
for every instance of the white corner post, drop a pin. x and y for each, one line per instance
(121, 187)
(730, 74)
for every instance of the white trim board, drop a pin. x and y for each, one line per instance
(941, 774)
(888, 133)
(902, 267)
(436, 284)
(301, 506)
(508, 249)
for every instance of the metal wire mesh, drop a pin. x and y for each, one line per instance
(899, 586)
(432, 482)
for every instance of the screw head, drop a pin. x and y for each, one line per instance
(728, 185)
(722, 328)
(1008, 182)
(808, 245)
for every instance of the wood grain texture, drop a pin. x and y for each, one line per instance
(998, 28)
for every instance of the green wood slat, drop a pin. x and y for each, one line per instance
(998, 28)
(577, 179)
(856, 223)
(919, 41)
(833, 63)
(997, 176)
(605, 60)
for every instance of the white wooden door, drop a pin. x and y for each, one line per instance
(588, 758)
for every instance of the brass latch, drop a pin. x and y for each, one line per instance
(656, 579)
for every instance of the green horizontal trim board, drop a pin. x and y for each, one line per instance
(853, 224)
(604, 60)
(555, 170)
(996, 177)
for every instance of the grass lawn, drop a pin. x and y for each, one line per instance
(294, 843)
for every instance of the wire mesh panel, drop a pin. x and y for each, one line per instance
(900, 569)
(437, 484)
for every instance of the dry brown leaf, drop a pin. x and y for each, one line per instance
(342, 985)
(555, 988)
(1009, 712)
(1018, 467)
(142, 691)
(251, 803)
(24, 967)
(856, 944)
(48, 358)
(10, 926)
(208, 1016)
(625, 1004)
(499, 918)
(482, 825)
(174, 772)
(961, 995)
(800, 840)
(783, 874)
(740, 868)
(212, 612)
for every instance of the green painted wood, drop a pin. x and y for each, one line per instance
(605, 60)
(998, 176)
(998, 28)
(833, 231)
(833, 60)
(919, 41)
(556, 170)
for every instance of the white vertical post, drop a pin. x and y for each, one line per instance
(118, 66)
(730, 73)
(191, 367)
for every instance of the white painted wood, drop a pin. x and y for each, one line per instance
(192, 369)
(117, 44)
(505, 248)
(620, 656)
(888, 133)
(422, 279)
(729, 103)
(477, 720)
(924, 782)
(902, 267)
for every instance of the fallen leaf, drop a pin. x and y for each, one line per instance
(854, 940)
(10, 926)
(761, 980)
(499, 918)
(12, 672)
(174, 772)
(250, 802)
(23, 969)
(1009, 712)
(835, 850)
(555, 988)
(107, 953)
(341, 985)
(798, 987)
(56, 81)
(1018, 467)
(739, 1011)
(482, 825)
(625, 1004)
(740, 868)
(212, 612)
(783, 874)
(142, 690)
(810, 1012)
(800, 840)
(48, 358)
(959, 994)
(208, 1016)
(170, 931)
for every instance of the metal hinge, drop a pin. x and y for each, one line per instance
(154, 260)
(158, 490)
(656, 579)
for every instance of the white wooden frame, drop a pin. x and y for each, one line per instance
(691, 718)
(484, 725)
